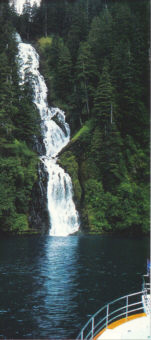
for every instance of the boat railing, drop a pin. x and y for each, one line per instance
(146, 283)
(120, 308)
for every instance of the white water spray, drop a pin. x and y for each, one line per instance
(62, 211)
(19, 4)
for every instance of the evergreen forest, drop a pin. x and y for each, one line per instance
(94, 56)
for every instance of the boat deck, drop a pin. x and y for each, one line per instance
(134, 328)
(128, 317)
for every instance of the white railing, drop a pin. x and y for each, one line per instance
(147, 295)
(117, 309)
(146, 283)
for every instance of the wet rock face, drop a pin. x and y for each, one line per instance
(38, 145)
(38, 209)
(60, 123)
(39, 217)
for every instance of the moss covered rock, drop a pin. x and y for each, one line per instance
(105, 187)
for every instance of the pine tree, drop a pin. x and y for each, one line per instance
(78, 30)
(103, 100)
(100, 37)
(87, 78)
(63, 82)
(25, 20)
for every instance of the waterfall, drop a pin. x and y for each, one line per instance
(61, 208)
(19, 4)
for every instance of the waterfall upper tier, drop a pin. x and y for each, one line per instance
(62, 211)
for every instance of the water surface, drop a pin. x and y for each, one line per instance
(50, 286)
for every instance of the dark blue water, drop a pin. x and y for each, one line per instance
(50, 286)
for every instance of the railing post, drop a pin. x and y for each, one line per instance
(92, 327)
(107, 314)
(82, 335)
(126, 306)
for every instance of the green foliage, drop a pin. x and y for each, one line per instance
(101, 36)
(103, 100)
(133, 204)
(18, 223)
(19, 122)
(18, 173)
(84, 132)
(44, 43)
(95, 206)
(63, 82)
(87, 76)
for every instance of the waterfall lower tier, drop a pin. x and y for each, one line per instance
(61, 208)
(63, 215)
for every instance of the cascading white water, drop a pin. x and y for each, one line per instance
(62, 211)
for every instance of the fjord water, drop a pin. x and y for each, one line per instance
(64, 218)
(51, 285)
